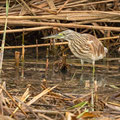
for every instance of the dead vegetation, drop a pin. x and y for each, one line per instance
(98, 17)
(51, 104)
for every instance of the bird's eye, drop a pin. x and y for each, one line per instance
(61, 34)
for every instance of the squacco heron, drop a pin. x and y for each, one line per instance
(84, 46)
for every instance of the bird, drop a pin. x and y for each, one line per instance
(85, 46)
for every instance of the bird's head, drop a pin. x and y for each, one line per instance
(66, 35)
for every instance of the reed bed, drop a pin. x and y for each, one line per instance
(100, 18)
(38, 18)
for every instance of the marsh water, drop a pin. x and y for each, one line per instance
(71, 80)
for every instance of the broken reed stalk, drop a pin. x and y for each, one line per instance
(3, 40)
(23, 99)
(36, 53)
(17, 62)
(23, 55)
(12, 99)
(47, 61)
(17, 58)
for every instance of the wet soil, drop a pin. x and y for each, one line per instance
(71, 80)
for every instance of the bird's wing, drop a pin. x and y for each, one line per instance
(79, 47)
(96, 48)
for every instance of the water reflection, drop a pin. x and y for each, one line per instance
(74, 80)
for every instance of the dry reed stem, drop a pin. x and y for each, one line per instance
(59, 43)
(26, 29)
(40, 95)
(63, 6)
(17, 58)
(23, 99)
(44, 116)
(13, 100)
(49, 111)
(27, 7)
(44, 9)
(51, 4)
(68, 25)
(91, 3)
(67, 16)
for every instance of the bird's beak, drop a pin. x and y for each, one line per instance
(57, 36)
(52, 36)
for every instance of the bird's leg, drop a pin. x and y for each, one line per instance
(82, 63)
(92, 90)
(93, 68)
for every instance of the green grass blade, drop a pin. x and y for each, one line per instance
(82, 113)
(80, 105)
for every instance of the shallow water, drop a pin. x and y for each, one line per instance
(74, 81)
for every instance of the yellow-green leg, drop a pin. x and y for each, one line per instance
(82, 63)
(93, 68)
(92, 90)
